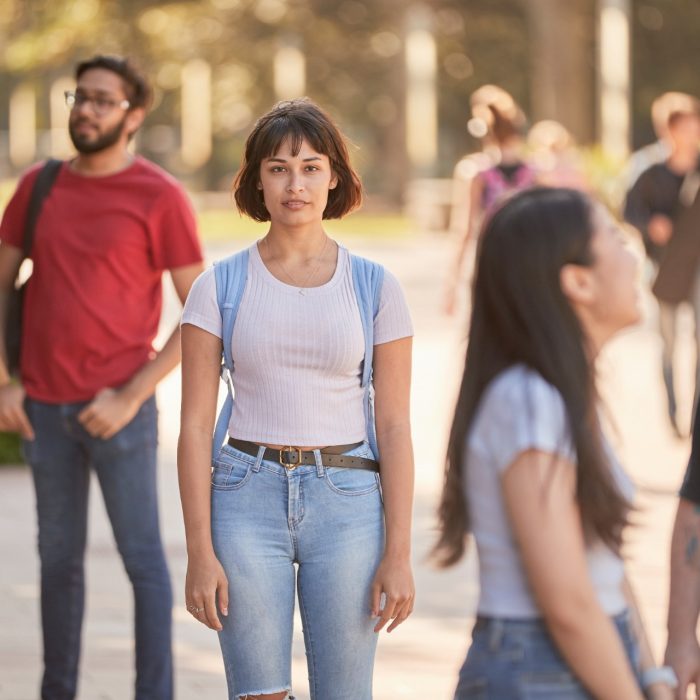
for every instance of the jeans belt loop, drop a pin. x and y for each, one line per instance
(496, 632)
(259, 458)
(320, 469)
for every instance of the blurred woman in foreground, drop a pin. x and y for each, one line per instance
(529, 471)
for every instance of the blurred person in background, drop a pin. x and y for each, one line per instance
(662, 206)
(682, 649)
(501, 123)
(111, 225)
(554, 156)
(529, 471)
(294, 504)
(659, 151)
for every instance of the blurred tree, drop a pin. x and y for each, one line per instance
(354, 61)
(562, 60)
(665, 56)
(355, 66)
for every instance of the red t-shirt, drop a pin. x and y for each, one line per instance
(94, 300)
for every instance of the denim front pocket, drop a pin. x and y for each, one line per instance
(551, 685)
(352, 482)
(231, 469)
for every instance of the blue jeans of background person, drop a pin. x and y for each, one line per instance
(518, 660)
(61, 458)
(330, 523)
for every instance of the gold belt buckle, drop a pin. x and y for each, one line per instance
(290, 466)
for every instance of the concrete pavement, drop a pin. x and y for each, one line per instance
(421, 658)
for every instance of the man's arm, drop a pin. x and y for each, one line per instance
(683, 651)
(12, 415)
(112, 409)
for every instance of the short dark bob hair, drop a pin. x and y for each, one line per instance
(297, 120)
(136, 87)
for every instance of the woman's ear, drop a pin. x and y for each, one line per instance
(577, 284)
(334, 182)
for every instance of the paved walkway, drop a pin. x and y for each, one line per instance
(421, 658)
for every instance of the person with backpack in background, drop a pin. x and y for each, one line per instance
(111, 224)
(502, 124)
(317, 470)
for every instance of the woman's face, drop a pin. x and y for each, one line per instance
(615, 301)
(295, 187)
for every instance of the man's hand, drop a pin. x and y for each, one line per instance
(660, 229)
(13, 418)
(108, 413)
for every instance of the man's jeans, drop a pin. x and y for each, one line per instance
(61, 458)
(668, 318)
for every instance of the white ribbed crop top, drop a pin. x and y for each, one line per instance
(297, 357)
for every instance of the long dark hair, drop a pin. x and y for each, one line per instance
(521, 315)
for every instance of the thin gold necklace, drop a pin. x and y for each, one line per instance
(310, 276)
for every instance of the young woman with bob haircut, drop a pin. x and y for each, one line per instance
(297, 484)
(529, 472)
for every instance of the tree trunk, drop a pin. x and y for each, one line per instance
(563, 64)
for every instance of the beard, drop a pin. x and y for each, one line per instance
(87, 144)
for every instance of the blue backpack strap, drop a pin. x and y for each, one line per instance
(367, 278)
(231, 275)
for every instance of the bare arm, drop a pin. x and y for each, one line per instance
(682, 651)
(656, 691)
(466, 237)
(392, 384)
(539, 491)
(112, 408)
(201, 360)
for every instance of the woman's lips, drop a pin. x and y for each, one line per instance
(294, 204)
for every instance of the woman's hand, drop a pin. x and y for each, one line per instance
(206, 583)
(395, 579)
(660, 691)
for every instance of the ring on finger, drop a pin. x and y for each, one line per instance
(194, 609)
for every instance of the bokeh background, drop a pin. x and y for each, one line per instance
(397, 76)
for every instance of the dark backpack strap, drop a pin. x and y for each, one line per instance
(42, 186)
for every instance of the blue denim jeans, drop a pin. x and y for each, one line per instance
(61, 458)
(518, 660)
(329, 522)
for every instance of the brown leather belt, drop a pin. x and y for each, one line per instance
(292, 457)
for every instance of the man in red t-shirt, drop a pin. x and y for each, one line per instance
(110, 226)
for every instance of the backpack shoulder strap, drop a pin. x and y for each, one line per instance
(230, 275)
(42, 186)
(367, 279)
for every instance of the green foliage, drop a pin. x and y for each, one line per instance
(10, 449)
(355, 66)
(605, 175)
(220, 225)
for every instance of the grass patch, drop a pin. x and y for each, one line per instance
(221, 225)
(10, 452)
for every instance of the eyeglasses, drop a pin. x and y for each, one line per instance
(100, 105)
